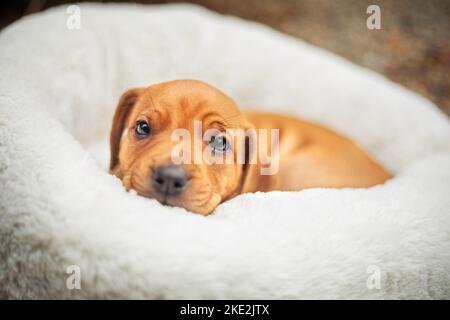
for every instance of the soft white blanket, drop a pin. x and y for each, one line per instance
(60, 207)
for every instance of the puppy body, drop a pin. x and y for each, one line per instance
(309, 155)
(313, 156)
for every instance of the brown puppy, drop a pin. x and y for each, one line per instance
(142, 146)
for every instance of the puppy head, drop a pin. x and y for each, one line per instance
(142, 144)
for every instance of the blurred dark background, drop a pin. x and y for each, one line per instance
(412, 48)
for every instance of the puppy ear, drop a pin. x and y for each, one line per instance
(123, 109)
(249, 178)
(252, 180)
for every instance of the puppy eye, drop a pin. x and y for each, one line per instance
(219, 143)
(142, 129)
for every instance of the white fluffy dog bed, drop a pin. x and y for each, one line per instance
(60, 207)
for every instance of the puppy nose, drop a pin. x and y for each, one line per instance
(169, 180)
